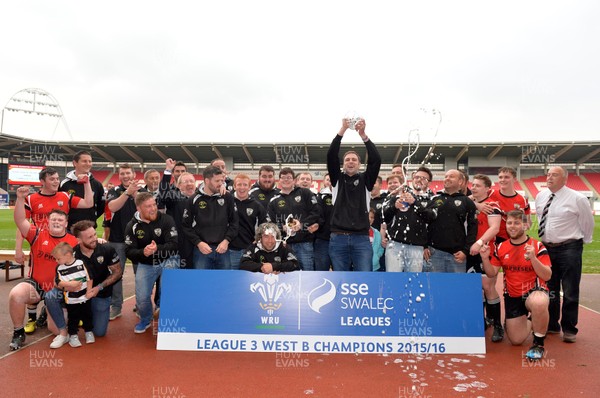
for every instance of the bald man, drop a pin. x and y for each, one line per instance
(565, 224)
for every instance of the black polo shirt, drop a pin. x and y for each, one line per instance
(97, 265)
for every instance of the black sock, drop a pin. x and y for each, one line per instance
(32, 313)
(493, 311)
(19, 332)
(538, 340)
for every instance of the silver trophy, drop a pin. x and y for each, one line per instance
(352, 117)
(288, 227)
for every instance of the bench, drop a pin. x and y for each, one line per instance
(7, 257)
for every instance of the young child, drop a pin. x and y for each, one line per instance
(73, 278)
(375, 237)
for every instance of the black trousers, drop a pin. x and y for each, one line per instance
(80, 312)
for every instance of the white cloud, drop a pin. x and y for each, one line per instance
(278, 71)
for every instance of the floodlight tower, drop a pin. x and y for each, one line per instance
(35, 102)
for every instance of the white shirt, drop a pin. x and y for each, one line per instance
(569, 216)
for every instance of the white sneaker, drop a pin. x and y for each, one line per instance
(89, 338)
(59, 341)
(74, 341)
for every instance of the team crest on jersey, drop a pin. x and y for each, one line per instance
(45, 243)
(249, 211)
(378, 206)
(173, 231)
(281, 203)
(202, 204)
(221, 201)
(355, 183)
(261, 197)
(157, 232)
(457, 203)
(40, 206)
(139, 234)
(100, 259)
(277, 259)
(298, 198)
(423, 204)
(506, 256)
(328, 202)
(517, 206)
(60, 203)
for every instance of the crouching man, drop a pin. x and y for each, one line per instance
(268, 255)
(527, 267)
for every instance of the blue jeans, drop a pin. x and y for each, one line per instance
(100, 315)
(402, 257)
(305, 254)
(351, 251)
(321, 253)
(213, 260)
(566, 272)
(145, 278)
(442, 261)
(174, 262)
(235, 257)
(54, 301)
(117, 292)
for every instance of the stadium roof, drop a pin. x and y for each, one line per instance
(253, 155)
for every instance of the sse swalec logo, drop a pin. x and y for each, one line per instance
(321, 295)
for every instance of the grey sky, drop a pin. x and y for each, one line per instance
(278, 71)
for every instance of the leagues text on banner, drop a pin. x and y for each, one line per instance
(321, 312)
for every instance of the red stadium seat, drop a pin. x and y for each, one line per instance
(594, 179)
(575, 182)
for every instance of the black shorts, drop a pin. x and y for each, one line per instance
(514, 307)
(474, 264)
(37, 287)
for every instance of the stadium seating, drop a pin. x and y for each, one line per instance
(594, 179)
(575, 182)
(101, 175)
(436, 186)
(114, 179)
(535, 184)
